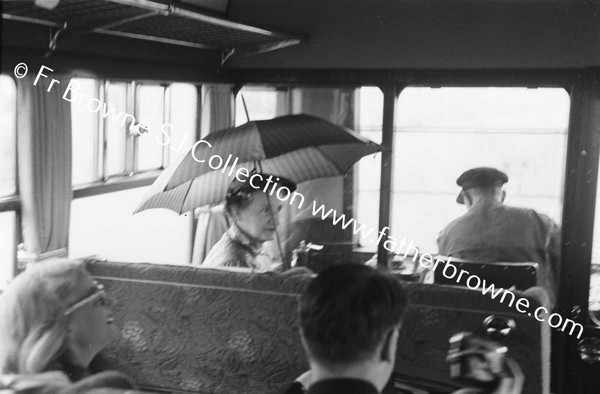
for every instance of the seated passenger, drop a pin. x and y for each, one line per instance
(493, 232)
(253, 216)
(350, 317)
(53, 322)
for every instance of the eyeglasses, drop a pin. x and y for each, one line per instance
(98, 295)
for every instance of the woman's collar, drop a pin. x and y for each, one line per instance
(239, 235)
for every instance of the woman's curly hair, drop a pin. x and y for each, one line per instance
(239, 194)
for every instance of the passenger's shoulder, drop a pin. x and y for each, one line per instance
(222, 259)
(532, 214)
(224, 250)
(456, 222)
(519, 210)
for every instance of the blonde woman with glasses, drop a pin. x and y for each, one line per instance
(53, 321)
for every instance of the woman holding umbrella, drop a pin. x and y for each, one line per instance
(253, 215)
(299, 147)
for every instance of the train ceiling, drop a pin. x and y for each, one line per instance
(343, 35)
(154, 20)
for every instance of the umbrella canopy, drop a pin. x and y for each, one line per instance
(298, 147)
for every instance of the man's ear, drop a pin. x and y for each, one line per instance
(302, 338)
(467, 199)
(503, 195)
(390, 345)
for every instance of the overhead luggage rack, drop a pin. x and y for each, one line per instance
(150, 20)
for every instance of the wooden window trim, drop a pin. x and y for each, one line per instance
(10, 203)
(115, 184)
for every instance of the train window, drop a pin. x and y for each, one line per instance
(115, 130)
(151, 111)
(183, 119)
(8, 136)
(153, 123)
(594, 298)
(368, 122)
(441, 132)
(131, 133)
(261, 103)
(8, 176)
(8, 243)
(103, 225)
(84, 124)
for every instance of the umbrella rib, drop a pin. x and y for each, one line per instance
(185, 196)
(260, 141)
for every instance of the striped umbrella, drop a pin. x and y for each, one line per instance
(298, 147)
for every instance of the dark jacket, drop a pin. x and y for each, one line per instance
(493, 232)
(342, 386)
(346, 386)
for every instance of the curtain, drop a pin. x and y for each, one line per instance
(211, 226)
(44, 165)
(217, 113)
(218, 108)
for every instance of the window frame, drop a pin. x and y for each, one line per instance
(12, 203)
(131, 178)
(399, 131)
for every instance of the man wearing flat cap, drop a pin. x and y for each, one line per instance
(493, 232)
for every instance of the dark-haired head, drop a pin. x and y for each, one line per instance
(253, 204)
(351, 314)
(239, 194)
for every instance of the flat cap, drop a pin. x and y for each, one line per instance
(478, 177)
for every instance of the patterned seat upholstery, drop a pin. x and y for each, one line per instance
(200, 330)
(186, 329)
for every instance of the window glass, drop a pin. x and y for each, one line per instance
(594, 300)
(103, 225)
(594, 306)
(183, 119)
(440, 133)
(7, 246)
(261, 102)
(150, 112)
(369, 118)
(116, 129)
(84, 130)
(8, 136)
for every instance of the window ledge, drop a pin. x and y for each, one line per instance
(115, 184)
(10, 203)
(365, 249)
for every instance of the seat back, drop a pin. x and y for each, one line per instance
(435, 313)
(187, 329)
(505, 275)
